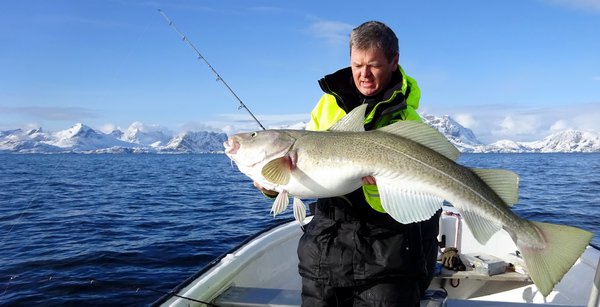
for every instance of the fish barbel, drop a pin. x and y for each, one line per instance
(415, 170)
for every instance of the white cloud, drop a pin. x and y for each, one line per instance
(30, 126)
(587, 119)
(51, 113)
(195, 126)
(228, 129)
(107, 128)
(586, 5)
(466, 120)
(239, 122)
(508, 124)
(333, 32)
(491, 123)
(518, 125)
(560, 125)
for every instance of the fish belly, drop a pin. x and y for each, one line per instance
(314, 181)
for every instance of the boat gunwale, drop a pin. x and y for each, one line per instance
(213, 263)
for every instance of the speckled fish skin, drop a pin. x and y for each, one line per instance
(413, 180)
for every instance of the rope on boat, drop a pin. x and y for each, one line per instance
(183, 297)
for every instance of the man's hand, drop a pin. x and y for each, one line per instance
(269, 193)
(369, 180)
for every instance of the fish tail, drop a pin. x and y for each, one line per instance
(548, 265)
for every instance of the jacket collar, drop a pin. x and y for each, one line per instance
(341, 85)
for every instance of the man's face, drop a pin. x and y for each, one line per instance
(371, 70)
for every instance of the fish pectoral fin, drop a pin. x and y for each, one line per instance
(281, 203)
(279, 171)
(299, 210)
(353, 121)
(504, 182)
(482, 228)
(407, 206)
(424, 135)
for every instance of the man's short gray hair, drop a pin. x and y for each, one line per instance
(375, 34)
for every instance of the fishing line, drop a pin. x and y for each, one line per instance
(31, 201)
(33, 198)
(59, 162)
(107, 284)
(201, 57)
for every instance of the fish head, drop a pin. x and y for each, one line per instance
(249, 150)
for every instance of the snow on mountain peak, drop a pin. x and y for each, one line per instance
(463, 138)
(151, 138)
(83, 139)
(139, 133)
(568, 141)
(196, 141)
(34, 131)
(80, 138)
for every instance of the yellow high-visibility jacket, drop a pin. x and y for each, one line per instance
(398, 102)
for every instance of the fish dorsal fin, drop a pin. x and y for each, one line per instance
(353, 121)
(278, 171)
(424, 135)
(504, 182)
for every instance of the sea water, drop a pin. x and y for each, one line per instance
(122, 229)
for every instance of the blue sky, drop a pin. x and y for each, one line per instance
(516, 69)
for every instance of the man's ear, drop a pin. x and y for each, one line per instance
(395, 61)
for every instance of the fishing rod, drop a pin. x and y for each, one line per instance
(201, 57)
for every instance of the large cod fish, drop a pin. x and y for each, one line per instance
(415, 170)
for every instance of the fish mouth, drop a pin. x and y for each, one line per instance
(231, 146)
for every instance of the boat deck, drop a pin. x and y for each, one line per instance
(255, 275)
(259, 297)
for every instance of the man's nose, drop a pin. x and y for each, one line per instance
(366, 71)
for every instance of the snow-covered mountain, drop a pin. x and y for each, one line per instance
(466, 141)
(139, 138)
(196, 141)
(463, 138)
(564, 141)
(83, 139)
(151, 135)
(31, 141)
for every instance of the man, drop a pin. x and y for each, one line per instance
(352, 253)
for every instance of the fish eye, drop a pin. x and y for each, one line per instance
(254, 134)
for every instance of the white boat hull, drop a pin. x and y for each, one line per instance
(265, 269)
